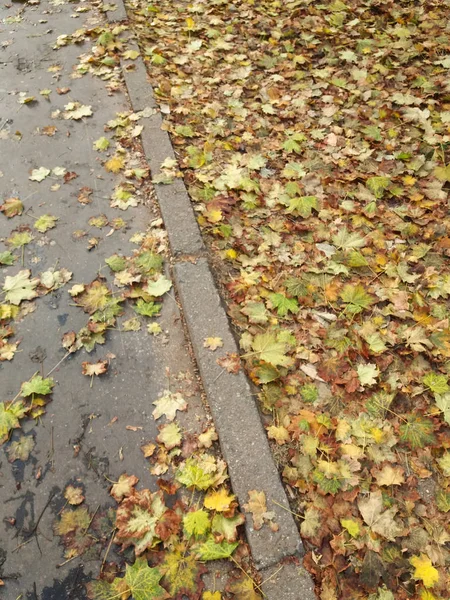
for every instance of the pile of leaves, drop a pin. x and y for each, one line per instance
(175, 539)
(314, 139)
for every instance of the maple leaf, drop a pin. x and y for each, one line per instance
(219, 500)
(212, 343)
(37, 385)
(302, 206)
(244, 589)
(124, 487)
(356, 298)
(346, 241)
(159, 287)
(45, 222)
(98, 368)
(424, 570)
(143, 581)
(6, 258)
(136, 520)
(390, 475)
(377, 185)
(169, 436)
(115, 164)
(201, 472)
(367, 374)
(12, 207)
(73, 520)
(94, 297)
(74, 495)
(257, 506)
(270, 350)
(211, 550)
(351, 526)
(444, 463)
(197, 523)
(20, 239)
(168, 405)
(101, 144)
(76, 111)
(283, 304)
(21, 448)
(226, 527)
(436, 382)
(381, 522)
(182, 574)
(443, 404)
(39, 174)
(311, 522)
(9, 418)
(417, 431)
(147, 309)
(20, 287)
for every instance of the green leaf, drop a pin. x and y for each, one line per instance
(101, 144)
(45, 222)
(345, 240)
(227, 527)
(443, 403)
(147, 309)
(256, 312)
(351, 526)
(417, 432)
(377, 185)
(184, 130)
(356, 298)
(143, 581)
(443, 501)
(293, 170)
(283, 304)
(116, 263)
(302, 206)
(20, 287)
(268, 349)
(37, 385)
(148, 262)
(212, 551)
(6, 258)
(19, 239)
(159, 287)
(197, 523)
(193, 476)
(436, 383)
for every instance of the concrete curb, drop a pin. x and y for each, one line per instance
(242, 436)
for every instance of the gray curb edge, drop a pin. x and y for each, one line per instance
(242, 436)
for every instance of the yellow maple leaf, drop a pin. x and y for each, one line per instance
(219, 501)
(390, 475)
(424, 570)
(211, 595)
(114, 164)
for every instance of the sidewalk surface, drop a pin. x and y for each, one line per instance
(83, 438)
(70, 203)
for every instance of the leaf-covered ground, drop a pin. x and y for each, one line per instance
(314, 139)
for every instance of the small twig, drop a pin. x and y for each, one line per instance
(108, 548)
(90, 522)
(272, 576)
(57, 364)
(249, 576)
(288, 510)
(66, 561)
